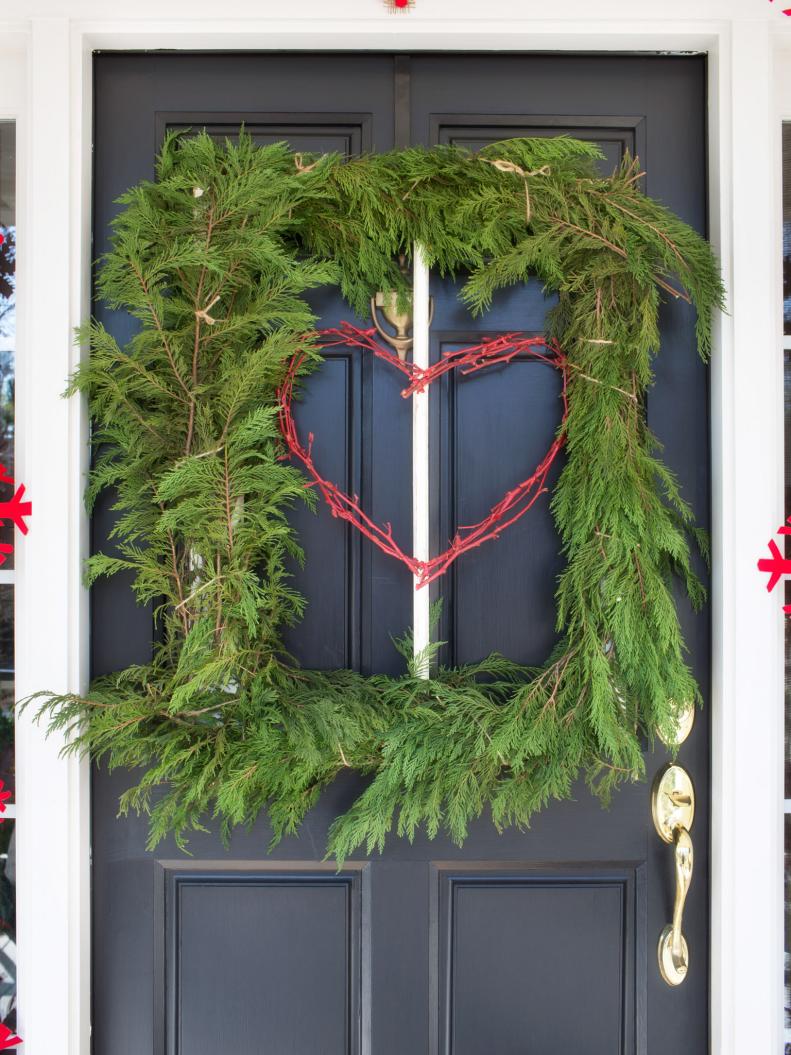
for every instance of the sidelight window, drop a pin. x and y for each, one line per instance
(7, 573)
(787, 404)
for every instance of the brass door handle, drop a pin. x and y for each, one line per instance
(673, 953)
(673, 808)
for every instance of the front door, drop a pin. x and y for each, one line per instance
(540, 942)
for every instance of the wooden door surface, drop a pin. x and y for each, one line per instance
(527, 943)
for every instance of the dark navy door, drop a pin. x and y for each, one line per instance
(527, 943)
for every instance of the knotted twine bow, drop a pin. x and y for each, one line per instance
(509, 166)
(202, 314)
(301, 166)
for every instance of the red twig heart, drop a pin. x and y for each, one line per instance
(513, 505)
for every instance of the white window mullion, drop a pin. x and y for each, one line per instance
(420, 452)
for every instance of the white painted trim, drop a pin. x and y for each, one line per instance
(53, 878)
(7, 577)
(746, 1001)
(421, 603)
(747, 454)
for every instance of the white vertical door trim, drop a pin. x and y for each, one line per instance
(53, 806)
(747, 506)
(421, 604)
(782, 96)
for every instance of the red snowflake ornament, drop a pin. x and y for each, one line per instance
(8, 1039)
(4, 797)
(14, 510)
(776, 564)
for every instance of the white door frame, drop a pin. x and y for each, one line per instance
(741, 38)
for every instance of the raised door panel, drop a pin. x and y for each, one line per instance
(512, 945)
(319, 133)
(265, 962)
(615, 136)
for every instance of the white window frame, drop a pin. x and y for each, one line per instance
(742, 38)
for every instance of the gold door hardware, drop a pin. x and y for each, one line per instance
(401, 321)
(673, 809)
(685, 719)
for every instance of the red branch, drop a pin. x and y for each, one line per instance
(511, 507)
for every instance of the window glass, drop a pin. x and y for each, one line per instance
(7, 685)
(787, 991)
(7, 349)
(8, 956)
(7, 313)
(787, 228)
(787, 406)
(787, 583)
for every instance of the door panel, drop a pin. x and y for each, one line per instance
(348, 134)
(540, 941)
(493, 428)
(305, 992)
(497, 989)
(613, 135)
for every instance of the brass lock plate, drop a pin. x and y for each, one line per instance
(672, 801)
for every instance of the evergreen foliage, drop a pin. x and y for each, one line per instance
(213, 260)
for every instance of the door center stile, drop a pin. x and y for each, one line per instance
(421, 599)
